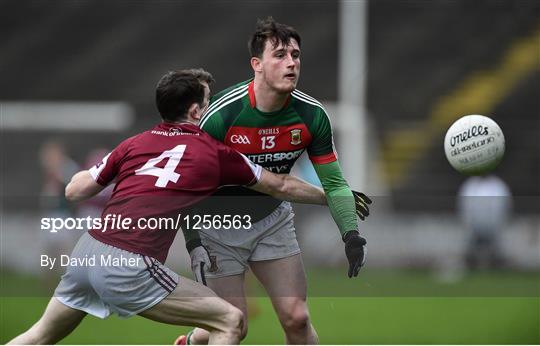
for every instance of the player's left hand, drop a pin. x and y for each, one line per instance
(200, 261)
(355, 250)
(361, 202)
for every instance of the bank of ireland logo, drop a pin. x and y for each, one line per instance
(296, 136)
(240, 139)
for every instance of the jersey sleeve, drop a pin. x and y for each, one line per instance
(339, 196)
(321, 150)
(237, 169)
(106, 171)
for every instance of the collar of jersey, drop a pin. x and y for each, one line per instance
(253, 102)
(168, 125)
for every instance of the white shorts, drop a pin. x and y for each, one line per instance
(99, 287)
(230, 250)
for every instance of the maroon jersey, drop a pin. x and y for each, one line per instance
(158, 174)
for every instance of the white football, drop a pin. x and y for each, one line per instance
(474, 145)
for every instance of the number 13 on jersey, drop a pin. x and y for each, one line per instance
(268, 142)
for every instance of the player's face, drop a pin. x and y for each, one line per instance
(281, 65)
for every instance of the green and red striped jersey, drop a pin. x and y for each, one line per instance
(273, 140)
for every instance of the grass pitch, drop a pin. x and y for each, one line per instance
(392, 317)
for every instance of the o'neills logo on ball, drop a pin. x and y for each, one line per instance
(477, 130)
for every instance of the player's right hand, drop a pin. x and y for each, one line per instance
(355, 250)
(200, 260)
(361, 202)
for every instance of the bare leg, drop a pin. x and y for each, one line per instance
(231, 289)
(192, 304)
(285, 281)
(57, 322)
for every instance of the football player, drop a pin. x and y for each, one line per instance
(159, 173)
(272, 122)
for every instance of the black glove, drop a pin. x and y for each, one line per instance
(355, 250)
(361, 203)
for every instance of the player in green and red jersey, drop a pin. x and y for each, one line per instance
(273, 123)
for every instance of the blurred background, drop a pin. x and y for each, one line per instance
(451, 259)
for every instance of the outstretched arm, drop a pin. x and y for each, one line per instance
(289, 188)
(340, 198)
(344, 205)
(82, 186)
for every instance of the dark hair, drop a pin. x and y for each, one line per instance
(176, 91)
(269, 29)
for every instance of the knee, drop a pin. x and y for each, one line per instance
(295, 317)
(243, 327)
(243, 330)
(235, 322)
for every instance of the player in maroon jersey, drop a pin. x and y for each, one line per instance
(158, 173)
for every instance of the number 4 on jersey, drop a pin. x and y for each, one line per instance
(167, 173)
